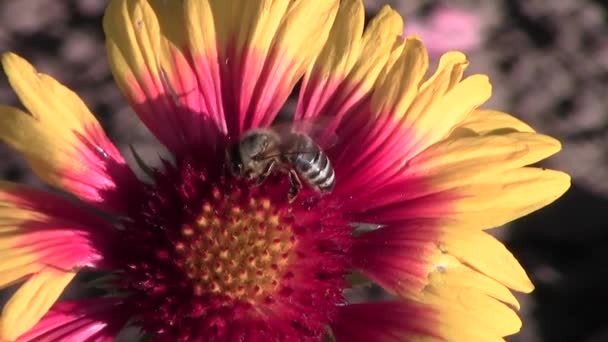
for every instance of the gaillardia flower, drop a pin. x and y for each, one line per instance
(197, 254)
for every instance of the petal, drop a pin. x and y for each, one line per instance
(409, 321)
(398, 87)
(61, 139)
(341, 51)
(32, 301)
(464, 309)
(466, 272)
(261, 50)
(451, 275)
(378, 136)
(201, 23)
(345, 71)
(368, 161)
(397, 257)
(474, 181)
(44, 239)
(39, 229)
(408, 115)
(384, 322)
(491, 202)
(461, 162)
(145, 42)
(434, 117)
(433, 108)
(445, 254)
(418, 255)
(486, 122)
(433, 249)
(79, 321)
(487, 255)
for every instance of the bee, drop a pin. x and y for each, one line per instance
(262, 151)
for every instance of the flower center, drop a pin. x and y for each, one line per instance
(212, 258)
(238, 250)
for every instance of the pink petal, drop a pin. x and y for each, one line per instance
(181, 111)
(398, 256)
(368, 152)
(99, 173)
(59, 233)
(385, 321)
(80, 321)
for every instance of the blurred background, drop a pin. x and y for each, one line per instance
(548, 62)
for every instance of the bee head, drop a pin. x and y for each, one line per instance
(254, 145)
(248, 158)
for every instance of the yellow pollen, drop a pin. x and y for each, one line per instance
(273, 220)
(202, 221)
(187, 231)
(236, 250)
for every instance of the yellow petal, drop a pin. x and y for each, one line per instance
(133, 38)
(351, 60)
(144, 47)
(146, 43)
(32, 301)
(467, 160)
(382, 46)
(397, 88)
(449, 275)
(485, 122)
(448, 74)
(255, 24)
(344, 43)
(47, 100)
(16, 263)
(37, 227)
(201, 28)
(504, 197)
(381, 38)
(469, 316)
(45, 152)
(208, 25)
(61, 139)
(487, 255)
(171, 21)
(305, 28)
(435, 118)
(262, 48)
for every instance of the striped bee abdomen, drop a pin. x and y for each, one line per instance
(312, 164)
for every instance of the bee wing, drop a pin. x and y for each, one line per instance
(319, 129)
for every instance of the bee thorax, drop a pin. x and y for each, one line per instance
(261, 151)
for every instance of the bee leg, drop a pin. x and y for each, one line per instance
(295, 185)
(267, 171)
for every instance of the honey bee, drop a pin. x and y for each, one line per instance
(260, 152)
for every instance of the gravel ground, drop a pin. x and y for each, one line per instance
(548, 61)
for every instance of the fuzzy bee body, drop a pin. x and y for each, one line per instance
(314, 166)
(259, 152)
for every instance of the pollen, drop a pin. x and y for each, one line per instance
(239, 250)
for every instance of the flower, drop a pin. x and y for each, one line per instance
(448, 28)
(200, 255)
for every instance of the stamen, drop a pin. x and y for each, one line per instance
(248, 253)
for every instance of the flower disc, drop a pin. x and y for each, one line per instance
(229, 260)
